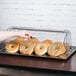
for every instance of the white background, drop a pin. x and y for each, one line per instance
(54, 14)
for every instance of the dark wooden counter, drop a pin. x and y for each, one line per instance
(41, 63)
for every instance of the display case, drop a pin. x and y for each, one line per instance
(42, 43)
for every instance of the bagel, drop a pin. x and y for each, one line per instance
(34, 41)
(26, 48)
(55, 49)
(47, 42)
(64, 44)
(40, 49)
(12, 47)
(20, 40)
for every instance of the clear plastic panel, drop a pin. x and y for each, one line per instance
(43, 34)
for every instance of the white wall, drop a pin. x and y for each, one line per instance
(54, 14)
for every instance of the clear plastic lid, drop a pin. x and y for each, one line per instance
(46, 33)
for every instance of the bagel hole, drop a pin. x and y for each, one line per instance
(26, 47)
(12, 46)
(41, 47)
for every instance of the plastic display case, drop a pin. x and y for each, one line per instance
(63, 37)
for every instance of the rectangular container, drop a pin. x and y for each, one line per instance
(44, 34)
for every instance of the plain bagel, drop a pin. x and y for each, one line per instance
(12, 46)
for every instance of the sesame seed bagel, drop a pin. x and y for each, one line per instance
(40, 49)
(56, 49)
